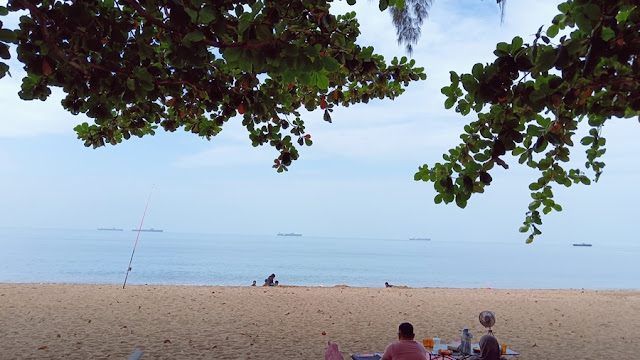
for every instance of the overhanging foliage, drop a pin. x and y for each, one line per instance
(531, 100)
(134, 65)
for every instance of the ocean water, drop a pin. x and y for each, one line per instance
(92, 256)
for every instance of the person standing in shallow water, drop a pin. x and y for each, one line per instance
(405, 348)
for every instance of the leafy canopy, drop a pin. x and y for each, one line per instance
(534, 97)
(134, 65)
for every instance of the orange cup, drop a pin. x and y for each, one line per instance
(504, 349)
(427, 342)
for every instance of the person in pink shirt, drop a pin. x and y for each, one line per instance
(405, 348)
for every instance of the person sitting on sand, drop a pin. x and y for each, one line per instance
(386, 284)
(254, 283)
(405, 348)
(269, 281)
(489, 349)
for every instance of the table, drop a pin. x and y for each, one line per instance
(369, 356)
(433, 353)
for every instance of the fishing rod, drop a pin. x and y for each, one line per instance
(137, 237)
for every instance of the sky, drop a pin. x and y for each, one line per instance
(355, 181)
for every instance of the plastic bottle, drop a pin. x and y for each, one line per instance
(465, 342)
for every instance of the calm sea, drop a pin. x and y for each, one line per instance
(92, 256)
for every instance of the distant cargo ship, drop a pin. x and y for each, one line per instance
(289, 234)
(110, 229)
(420, 238)
(148, 230)
(582, 244)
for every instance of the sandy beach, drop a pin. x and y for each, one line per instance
(53, 321)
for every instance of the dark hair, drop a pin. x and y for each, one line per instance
(406, 330)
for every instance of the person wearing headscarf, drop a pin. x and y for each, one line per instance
(489, 349)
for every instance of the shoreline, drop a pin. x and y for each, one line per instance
(327, 286)
(82, 321)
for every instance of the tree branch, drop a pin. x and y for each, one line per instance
(47, 38)
(134, 4)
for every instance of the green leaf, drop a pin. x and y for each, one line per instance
(516, 44)
(143, 74)
(623, 16)
(461, 202)
(207, 14)
(503, 47)
(4, 68)
(469, 83)
(327, 116)
(256, 7)
(244, 21)
(447, 91)
(232, 54)
(131, 84)
(592, 11)
(305, 79)
(608, 34)
(546, 58)
(587, 140)
(263, 32)
(383, 5)
(552, 31)
(194, 36)
(366, 52)
(322, 81)
(8, 36)
(534, 205)
(477, 71)
(351, 2)
(4, 51)
(448, 104)
(330, 64)
(454, 78)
